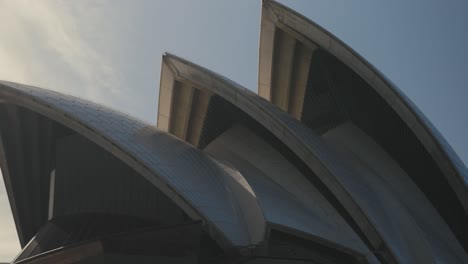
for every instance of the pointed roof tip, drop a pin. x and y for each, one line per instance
(168, 59)
(172, 56)
(166, 55)
(174, 62)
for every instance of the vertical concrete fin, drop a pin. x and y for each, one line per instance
(300, 73)
(182, 97)
(283, 58)
(166, 87)
(200, 105)
(265, 67)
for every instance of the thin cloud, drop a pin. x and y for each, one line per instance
(45, 47)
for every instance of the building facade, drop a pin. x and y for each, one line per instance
(328, 163)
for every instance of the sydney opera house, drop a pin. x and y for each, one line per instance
(328, 163)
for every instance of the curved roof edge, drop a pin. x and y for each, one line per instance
(313, 35)
(158, 156)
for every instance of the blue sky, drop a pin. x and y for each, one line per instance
(109, 51)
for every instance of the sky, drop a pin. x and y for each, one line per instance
(109, 51)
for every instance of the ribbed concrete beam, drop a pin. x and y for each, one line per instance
(166, 88)
(299, 76)
(265, 66)
(197, 116)
(182, 106)
(283, 58)
(181, 109)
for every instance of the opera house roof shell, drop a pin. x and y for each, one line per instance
(328, 163)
